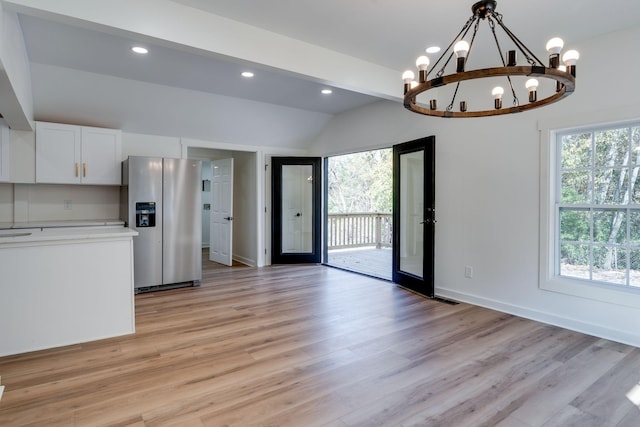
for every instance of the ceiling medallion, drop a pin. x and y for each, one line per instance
(485, 11)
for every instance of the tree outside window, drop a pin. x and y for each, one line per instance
(598, 205)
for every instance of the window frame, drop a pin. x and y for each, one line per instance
(550, 181)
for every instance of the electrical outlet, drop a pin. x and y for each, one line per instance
(468, 272)
(67, 205)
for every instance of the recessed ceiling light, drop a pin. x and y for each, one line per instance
(139, 49)
(247, 74)
(326, 91)
(433, 49)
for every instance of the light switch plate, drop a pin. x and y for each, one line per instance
(468, 272)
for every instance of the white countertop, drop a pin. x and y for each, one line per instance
(32, 235)
(55, 224)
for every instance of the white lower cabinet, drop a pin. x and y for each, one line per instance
(68, 154)
(64, 286)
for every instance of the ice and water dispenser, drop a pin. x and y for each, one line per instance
(145, 214)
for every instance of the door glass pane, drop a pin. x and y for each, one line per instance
(297, 212)
(411, 213)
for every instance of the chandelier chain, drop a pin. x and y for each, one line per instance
(473, 38)
(455, 93)
(463, 32)
(492, 25)
(529, 56)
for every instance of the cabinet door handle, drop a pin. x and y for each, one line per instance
(76, 169)
(84, 170)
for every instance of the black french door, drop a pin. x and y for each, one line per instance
(414, 215)
(296, 206)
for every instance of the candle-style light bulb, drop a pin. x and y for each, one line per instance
(497, 93)
(407, 77)
(532, 86)
(570, 58)
(461, 49)
(554, 46)
(422, 63)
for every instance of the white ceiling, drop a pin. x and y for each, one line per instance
(394, 32)
(82, 69)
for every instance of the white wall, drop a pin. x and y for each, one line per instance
(46, 202)
(245, 207)
(64, 94)
(134, 144)
(6, 202)
(53, 202)
(23, 156)
(488, 185)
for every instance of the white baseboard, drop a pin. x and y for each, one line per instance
(245, 261)
(544, 317)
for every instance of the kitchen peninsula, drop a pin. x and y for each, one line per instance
(64, 285)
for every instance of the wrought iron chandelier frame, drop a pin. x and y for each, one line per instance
(485, 10)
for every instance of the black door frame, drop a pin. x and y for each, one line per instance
(424, 285)
(315, 256)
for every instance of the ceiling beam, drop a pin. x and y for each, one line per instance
(16, 100)
(178, 26)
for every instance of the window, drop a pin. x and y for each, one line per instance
(597, 205)
(590, 206)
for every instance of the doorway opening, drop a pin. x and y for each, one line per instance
(241, 243)
(359, 224)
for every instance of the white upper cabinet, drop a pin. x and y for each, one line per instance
(67, 154)
(4, 153)
(58, 153)
(101, 156)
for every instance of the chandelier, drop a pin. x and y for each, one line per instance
(485, 10)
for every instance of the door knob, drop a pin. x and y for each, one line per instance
(228, 218)
(298, 214)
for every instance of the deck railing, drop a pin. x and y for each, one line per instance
(356, 230)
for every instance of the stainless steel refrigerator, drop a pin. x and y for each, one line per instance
(161, 200)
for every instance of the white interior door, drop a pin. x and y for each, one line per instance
(221, 237)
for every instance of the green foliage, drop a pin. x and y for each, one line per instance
(574, 254)
(574, 225)
(576, 151)
(361, 182)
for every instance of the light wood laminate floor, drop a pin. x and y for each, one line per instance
(316, 346)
